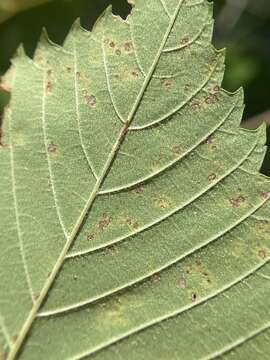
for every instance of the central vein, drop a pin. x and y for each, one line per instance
(44, 292)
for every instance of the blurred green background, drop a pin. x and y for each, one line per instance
(242, 26)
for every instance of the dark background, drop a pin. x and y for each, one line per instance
(242, 26)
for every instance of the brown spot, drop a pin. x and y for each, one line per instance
(75, 277)
(49, 72)
(128, 46)
(196, 105)
(133, 223)
(262, 254)
(112, 44)
(167, 82)
(105, 222)
(36, 296)
(194, 297)
(90, 237)
(187, 87)
(216, 88)
(163, 203)
(156, 276)
(78, 74)
(68, 69)
(238, 201)
(266, 194)
(139, 190)
(135, 73)
(198, 262)
(111, 249)
(49, 87)
(177, 149)
(212, 177)
(184, 40)
(118, 52)
(211, 99)
(52, 148)
(262, 223)
(91, 100)
(210, 142)
(212, 62)
(189, 270)
(49, 274)
(182, 283)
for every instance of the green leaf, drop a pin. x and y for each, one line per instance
(134, 221)
(9, 8)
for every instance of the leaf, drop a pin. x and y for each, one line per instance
(134, 220)
(9, 8)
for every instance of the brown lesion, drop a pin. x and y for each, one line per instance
(177, 150)
(133, 223)
(90, 100)
(185, 40)
(182, 283)
(238, 201)
(104, 222)
(128, 46)
(211, 99)
(52, 148)
(262, 254)
(212, 177)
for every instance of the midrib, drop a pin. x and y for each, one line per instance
(121, 137)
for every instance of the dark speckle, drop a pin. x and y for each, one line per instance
(194, 297)
(75, 277)
(91, 100)
(52, 148)
(36, 296)
(237, 201)
(216, 88)
(112, 44)
(68, 69)
(118, 52)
